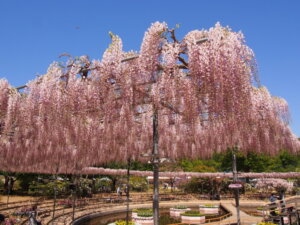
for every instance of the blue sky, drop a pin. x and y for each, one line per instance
(33, 33)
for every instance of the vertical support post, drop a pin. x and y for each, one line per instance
(236, 190)
(281, 220)
(127, 193)
(155, 162)
(8, 189)
(54, 200)
(74, 198)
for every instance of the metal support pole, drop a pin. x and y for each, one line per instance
(236, 190)
(281, 220)
(54, 200)
(127, 193)
(155, 162)
(8, 189)
(74, 192)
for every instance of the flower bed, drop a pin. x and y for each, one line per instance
(178, 210)
(144, 218)
(192, 217)
(261, 211)
(140, 210)
(12, 221)
(209, 209)
(123, 222)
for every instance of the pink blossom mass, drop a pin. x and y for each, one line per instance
(86, 113)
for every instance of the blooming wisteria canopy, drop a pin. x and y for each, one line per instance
(270, 184)
(92, 112)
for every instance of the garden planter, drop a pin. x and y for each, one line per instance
(177, 212)
(213, 209)
(192, 219)
(143, 220)
(262, 212)
(125, 223)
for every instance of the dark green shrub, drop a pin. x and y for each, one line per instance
(145, 214)
(192, 213)
(180, 207)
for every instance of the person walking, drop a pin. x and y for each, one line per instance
(273, 199)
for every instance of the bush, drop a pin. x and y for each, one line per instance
(1, 183)
(210, 206)
(138, 184)
(205, 186)
(40, 189)
(266, 223)
(142, 210)
(123, 222)
(180, 207)
(145, 214)
(192, 213)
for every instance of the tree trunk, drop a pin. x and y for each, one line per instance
(155, 162)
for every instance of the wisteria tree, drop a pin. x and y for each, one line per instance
(172, 99)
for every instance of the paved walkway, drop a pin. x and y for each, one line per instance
(245, 218)
(227, 204)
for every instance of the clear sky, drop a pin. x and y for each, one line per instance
(33, 33)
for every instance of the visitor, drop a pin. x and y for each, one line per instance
(282, 201)
(2, 218)
(32, 219)
(119, 191)
(166, 185)
(273, 199)
(126, 189)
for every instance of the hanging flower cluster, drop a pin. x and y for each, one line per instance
(4, 96)
(104, 171)
(91, 112)
(270, 184)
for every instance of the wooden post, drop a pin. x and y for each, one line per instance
(155, 162)
(236, 190)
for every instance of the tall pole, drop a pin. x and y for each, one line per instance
(155, 162)
(8, 188)
(74, 193)
(54, 200)
(127, 193)
(236, 190)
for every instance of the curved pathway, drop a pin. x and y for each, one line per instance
(63, 216)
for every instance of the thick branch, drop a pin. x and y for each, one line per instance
(183, 61)
(173, 36)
